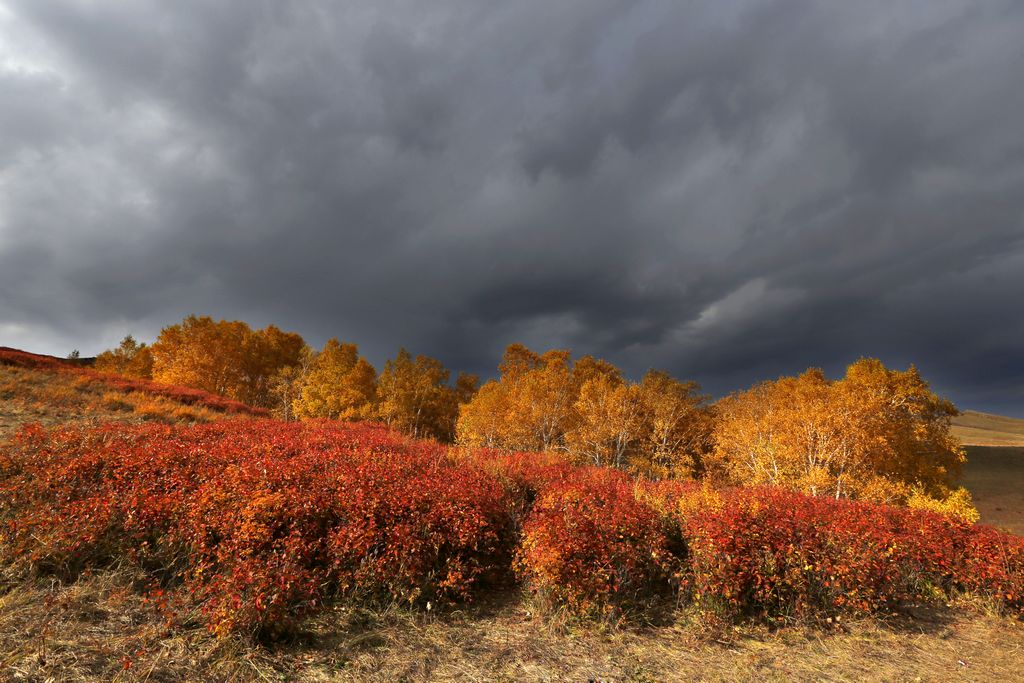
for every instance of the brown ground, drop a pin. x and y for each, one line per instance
(90, 630)
(995, 477)
(995, 467)
(99, 629)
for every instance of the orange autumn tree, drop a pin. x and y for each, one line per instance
(876, 434)
(660, 427)
(545, 402)
(130, 358)
(268, 353)
(529, 408)
(678, 427)
(338, 383)
(224, 357)
(608, 422)
(482, 420)
(287, 384)
(416, 398)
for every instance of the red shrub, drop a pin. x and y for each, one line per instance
(590, 544)
(773, 553)
(259, 522)
(522, 475)
(24, 359)
(262, 520)
(992, 563)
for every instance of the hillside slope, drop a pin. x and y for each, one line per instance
(983, 429)
(50, 390)
(994, 473)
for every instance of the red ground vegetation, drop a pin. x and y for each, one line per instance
(253, 524)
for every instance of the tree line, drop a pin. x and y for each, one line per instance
(874, 434)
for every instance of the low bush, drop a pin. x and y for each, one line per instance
(992, 563)
(591, 545)
(85, 377)
(258, 521)
(254, 523)
(776, 554)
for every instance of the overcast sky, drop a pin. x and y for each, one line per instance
(727, 190)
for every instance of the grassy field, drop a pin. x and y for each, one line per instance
(52, 391)
(982, 429)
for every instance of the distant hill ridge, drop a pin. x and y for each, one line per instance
(983, 429)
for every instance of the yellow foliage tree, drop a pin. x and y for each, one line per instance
(541, 403)
(415, 396)
(677, 430)
(482, 421)
(226, 357)
(876, 434)
(529, 408)
(267, 353)
(130, 359)
(339, 384)
(609, 422)
(660, 427)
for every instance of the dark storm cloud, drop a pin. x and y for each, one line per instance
(729, 190)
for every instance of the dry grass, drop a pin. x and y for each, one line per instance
(995, 478)
(100, 629)
(33, 395)
(981, 429)
(88, 630)
(995, 467)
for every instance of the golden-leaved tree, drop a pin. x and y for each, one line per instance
(876, 434)
(659, 427)
(608, 422)
(482, 421)
(678, 427)
(338, 383)
(529, 408)
(130, 358)
(286, 386)
(268, 352)
(416, 398)
(224, 357)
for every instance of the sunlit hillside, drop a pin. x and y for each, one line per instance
(983, 429)
(995, 466)
(49, 390)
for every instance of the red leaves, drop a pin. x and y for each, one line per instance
(589, 543)
(993, 562)
(769, 552)
(261, 522)
(757, 552)
(179, 394)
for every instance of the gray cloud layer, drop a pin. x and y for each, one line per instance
(728, 190)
